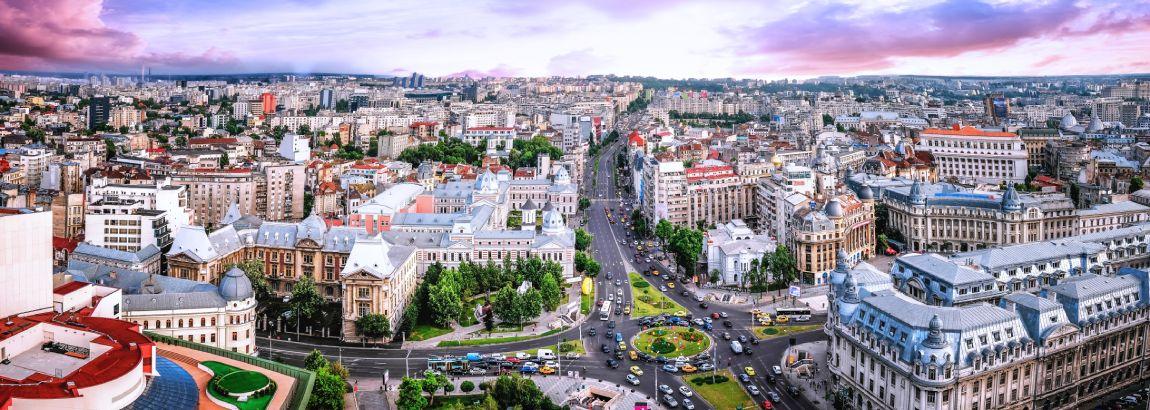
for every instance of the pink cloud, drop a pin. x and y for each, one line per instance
(832, 38)
(497, 72)
(613, 8)
(1048, 61)
(64, 34)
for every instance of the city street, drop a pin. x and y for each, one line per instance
(615, 260)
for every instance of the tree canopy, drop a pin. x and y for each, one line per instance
(450, 151)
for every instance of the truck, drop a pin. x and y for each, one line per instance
(736, 347)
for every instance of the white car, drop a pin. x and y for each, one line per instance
(662, 288)
(522, 356)
(778, 371)
(686, 391)
(633, 380)
(753, 389)
(497, 356)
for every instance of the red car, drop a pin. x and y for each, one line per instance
(767, 405)
(715, 315)
(513, 360)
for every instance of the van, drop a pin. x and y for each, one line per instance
(736, 347)
(545, 354)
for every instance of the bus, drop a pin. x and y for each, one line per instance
(605, 311)
(794, 314)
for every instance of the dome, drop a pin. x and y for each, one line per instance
(236, 286)
(834, 208)
(916, 195)
(562, 177)
(866, 193)
(311, 227)
(487, 183)
(1095, 124)
(1068, 121)
(553, 222)
(934, 338)
(1010, 200)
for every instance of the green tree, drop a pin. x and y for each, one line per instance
(328, 391)
(489, 321)
(467, 386)
(444, 303)
(303, 129)
(315, 361)
(828, 119)
(373, 326)
(582, 239)
(550, 292)
(254, 269)
(783, 265)
(664, 230)
(110, 149)
(1135, 184)
(505, 305)
(305, 299)
(411, 394)
(584, 203)
(432, 382)
(524, 153)
(530, 304)
(224, 161)
(687, 245)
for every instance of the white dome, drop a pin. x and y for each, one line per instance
(553, 222)
(487, 183)
(1068, 121)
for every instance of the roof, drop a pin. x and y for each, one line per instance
(968, 131)
(994, 259)
(917, 314)
(944, 270)
(144, 254)
(1089, 286)
(391, 200)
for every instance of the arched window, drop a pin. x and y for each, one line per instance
(168, 323)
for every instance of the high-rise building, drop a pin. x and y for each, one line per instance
(269, 102)
(326, 98)
(99, 110)
(25, 261)
(969, 154)
(997, 107)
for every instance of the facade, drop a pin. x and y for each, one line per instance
(1077, 340)
(779, 194)
(817, 232)
(1036, 140)
(716, 194)
(126, 225)
(273, 191)
(664, 193)
(972, 155)
(145, 260)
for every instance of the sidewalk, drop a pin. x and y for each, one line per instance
(804, 366)
(544, 323)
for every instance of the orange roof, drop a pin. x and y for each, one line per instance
(968, 131)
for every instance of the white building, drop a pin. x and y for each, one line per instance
(25, 261)
(126, 225)
(973, 155)
(295, 147)
(162, 196)
(493, 136)
(731, 249)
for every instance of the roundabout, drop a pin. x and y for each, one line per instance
(671, 342)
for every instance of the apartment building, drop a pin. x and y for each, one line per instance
(969, 154)
(273, 191)
(820, 231)
(126, 224)
(664, 191)
(716, 194)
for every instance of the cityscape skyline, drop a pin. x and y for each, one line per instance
(664, 39)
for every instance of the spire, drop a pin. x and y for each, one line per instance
(851, 289)
(934, 338)
(916, 195)
(1010, 200)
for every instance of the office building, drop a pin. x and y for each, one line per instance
(968, 154)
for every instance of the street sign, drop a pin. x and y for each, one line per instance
(795, 291)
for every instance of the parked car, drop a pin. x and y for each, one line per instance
(670, 401)
(742, 339)
(688, 404)
(633, 380)
(754, 390)
(612, 363)
(727, 323)
(666, 389)
(686, 391)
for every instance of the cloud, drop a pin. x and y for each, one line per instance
(69, 34)
(612, 8)
(498, 72)
(841, 38)
(1048, 61)
(576, 63)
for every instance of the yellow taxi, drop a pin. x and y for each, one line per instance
(627, 310)
(635, 370)
(547, 370)
(687, 368)
(750, 371)
(622, 345)
(782, 319)
(633, 355)
(671, 285)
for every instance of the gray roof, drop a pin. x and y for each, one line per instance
(944, 270)
(145, 253)
(1089, 285)
(174, 293)
(235, 285)
(917, 314)
(1006, 257)
(1033, 301)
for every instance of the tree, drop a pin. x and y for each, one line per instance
(664, 230)
(489, 321)
(550, 292)
(303, 129)
(254, 269)
(411, 394)
(444, 303)
(328, 391)
(373, 326)
(582, 239)
(1135, 184)
(828, 119)
(530, 304)
(338, 369)
(584, 203)
(687, 245)
(432, 382)
(315, 361)
(110, 149)
(224, 160)
(305, 299)
(783, 265)
(505, 305)
(467, 386)
(524, 153)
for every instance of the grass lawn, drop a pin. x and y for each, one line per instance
(771, 332)
(449, 402)
(648, 301)
(577, 344)
(221, 370)
(676, 340)
(495, 340)
(725, 395)
(585, 303)
(424, 332)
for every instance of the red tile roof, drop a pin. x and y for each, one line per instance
(70, 287)
(967, 131)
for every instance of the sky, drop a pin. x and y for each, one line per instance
(768, 39)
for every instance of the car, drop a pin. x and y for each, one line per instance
(754, 341)
(633, 380)
(623, 346)
(671, 285)
(750, 371)
(522, 356)
(477, 370)
(688, 368)
(697, 322)
(633, 355)
(774, 396)
(704, 305)
(618, 311)
(610, 297)
(547, 370)
(611, 324)
(528, 369)
(754, 390)
(767, 405)
(635, 370)
(627, 310)
(592, 332)
(698, 298)
(663, 288)
(610, 275)
(686, 391)
(715, 315)
(748, 351)
(680, 313)
(723, 315)
(604, 348)
(670, 368)
(688, 404)
(612, 363)
(572, 356)
(665, 389)
(496, 356)
(685, 292)
(661, 360)
(782, 319)
(618, 354)
(726, 336)
(552, 363)
(617, 282)
(706, 367)
(727, 323)
(778, 371)
(645, 357)
(742, 339)
(793, 390)
(618, 336)
(707, 320)
(670, 401)
(744, 378)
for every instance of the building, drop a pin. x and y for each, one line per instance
(968, 154)
(99, 111)
(274, 192)
(716, 194)
(295, 148)
(1036, 140)
(817, 233)
(34, 160)
(162, 195)
(778, 195)
(490, 137)
(1062, 347)
(664, 191)
(268, 103)
(25, 261)
(145, 260)
(733, 249)
(997, 107)
(126, 225)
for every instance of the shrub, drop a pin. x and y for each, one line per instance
(644, 298)
(662, 346)
(448, 388)
(770, 331)
(691, 336)
(566, 347)
(640, 284)
(467, 386)
(701, 380)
